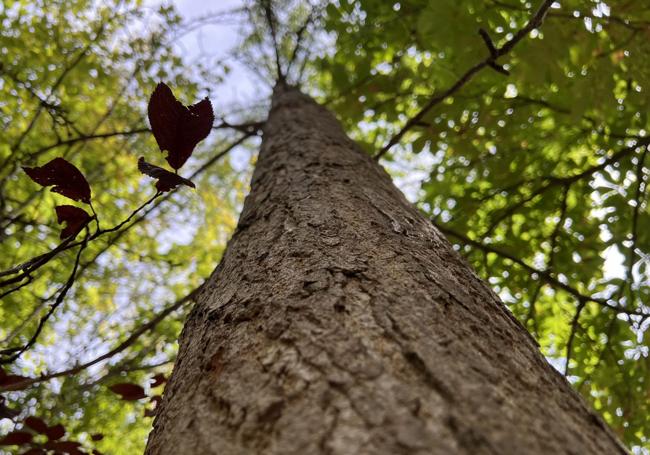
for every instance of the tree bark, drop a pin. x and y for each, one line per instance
(340, 321)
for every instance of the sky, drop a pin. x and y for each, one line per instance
(217, 40)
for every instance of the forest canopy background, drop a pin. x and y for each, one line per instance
(538, 176)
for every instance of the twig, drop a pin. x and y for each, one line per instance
(543, 274)
(638, 198)
(552, 181)
(86, 137)
(15, 353)
(299, 37)
(135, 334)
(574, 327)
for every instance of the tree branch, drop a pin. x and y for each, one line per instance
(574, 327)
(15, 353)
(24, 270)
(489, 61)
(135, 334)
(270, 19)
(544, 275)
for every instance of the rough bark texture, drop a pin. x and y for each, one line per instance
(341, 322)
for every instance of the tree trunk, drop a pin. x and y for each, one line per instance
(341, 322)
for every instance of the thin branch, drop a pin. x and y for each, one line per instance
(135, 334)
(638, 198)
(15, 147)
(300, 33)
(248, 127)
(574, 328)
(270, 19)
(552, 181)
(542, 274)
(85, 138)
(490, 61)
(113, 240)
(14, 353)
(25, 269)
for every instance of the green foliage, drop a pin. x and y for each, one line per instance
(539, 166)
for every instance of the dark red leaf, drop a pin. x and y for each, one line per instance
(178, 128)
(55, 432)
(75, 218)
(158, 380)
(166, 180)
(16, 438)
(65, 177)
(96, 452)
(97, 437)
(36, 424)
(69, 447)
(129, 392)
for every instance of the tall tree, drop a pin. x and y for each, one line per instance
(341, 321)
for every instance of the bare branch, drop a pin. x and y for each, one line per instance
(272, 23)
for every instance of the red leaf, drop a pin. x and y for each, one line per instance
(178, 128)
(97, 437)
(75, 218)
(69, 447)
(55, 432)
(129, 392)
(158, 380)
(36, 424)
(65, 177)
(16, 438)
(166, 180)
